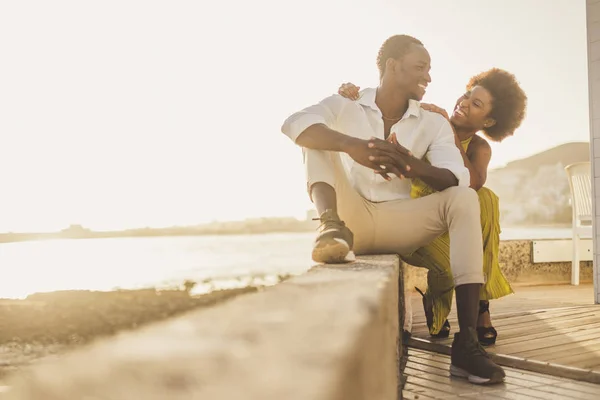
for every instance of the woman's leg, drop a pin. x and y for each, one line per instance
(440, 283)
(436, 258)
(496, 285)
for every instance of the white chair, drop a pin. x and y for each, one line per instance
(581, 202)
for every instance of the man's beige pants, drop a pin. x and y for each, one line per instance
(402, 226)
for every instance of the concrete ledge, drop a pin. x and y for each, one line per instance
(331, 334)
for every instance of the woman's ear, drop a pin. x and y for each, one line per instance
(489, 123)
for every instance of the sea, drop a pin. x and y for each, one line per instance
(213, 262)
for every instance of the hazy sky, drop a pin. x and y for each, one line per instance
(126, 113)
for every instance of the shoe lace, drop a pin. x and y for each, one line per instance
(474, 348)
(328, 223)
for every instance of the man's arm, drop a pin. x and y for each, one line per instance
(311, 127)
(438, 178)
(447, 167)
(321, 137)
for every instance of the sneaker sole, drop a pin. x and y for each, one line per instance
(332, 251)
(478, 380)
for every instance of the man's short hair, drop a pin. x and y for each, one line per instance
(509, 101)
(394, 47)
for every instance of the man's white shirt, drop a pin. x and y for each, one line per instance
(424, 133)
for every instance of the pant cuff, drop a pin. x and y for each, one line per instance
(465, 279)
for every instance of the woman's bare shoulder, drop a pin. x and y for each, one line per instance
(479, 145)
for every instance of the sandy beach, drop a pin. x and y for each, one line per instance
(48, 324)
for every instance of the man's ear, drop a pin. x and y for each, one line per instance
(391, 65)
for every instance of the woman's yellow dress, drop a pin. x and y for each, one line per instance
(436, 256)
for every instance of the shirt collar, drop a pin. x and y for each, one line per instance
(367, 99)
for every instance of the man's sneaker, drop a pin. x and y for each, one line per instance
(334, 242)
(469, 360)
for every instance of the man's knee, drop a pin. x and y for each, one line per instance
(461, 198)
(320, 167)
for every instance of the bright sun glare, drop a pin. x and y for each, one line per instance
(122, 114)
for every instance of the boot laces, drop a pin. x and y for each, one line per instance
(328, 223)
(474, 348)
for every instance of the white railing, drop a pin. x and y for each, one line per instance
(580, 183)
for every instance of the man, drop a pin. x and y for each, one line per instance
(358, 156)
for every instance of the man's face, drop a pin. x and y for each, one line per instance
(411, 72)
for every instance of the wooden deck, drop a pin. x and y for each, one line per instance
(558, 325)
(427, 377)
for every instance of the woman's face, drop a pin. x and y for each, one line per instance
(473, 109)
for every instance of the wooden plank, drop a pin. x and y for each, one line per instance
(505, 324)
(445, 387)
(582, 360)
(505, 339)
(555, 328)
(425, 371)
(567, 334)
(544, 343)
(592, 346)
(593, 361)
(427, 368)
(581, 387)
(435, 363)
(508, 361)
(565, 314)
(424, 392)
(428, 378)
(412, 392)
(440, 382)
(542, 395)
(443, 376)
(427, 359)
(503, 396)
(564, 393)
(551, 324)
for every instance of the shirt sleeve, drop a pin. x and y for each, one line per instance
(325, 112)
(443, 153)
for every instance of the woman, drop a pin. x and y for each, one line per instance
(494, 104)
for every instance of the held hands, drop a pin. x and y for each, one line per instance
(383, 156)
(405, 154)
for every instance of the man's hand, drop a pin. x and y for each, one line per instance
(369, 154)
(392, 152)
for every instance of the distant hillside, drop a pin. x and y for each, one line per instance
(564, 154)
(535, 190)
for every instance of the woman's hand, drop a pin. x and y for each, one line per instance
(443, 113)
(349, 91)
(435, 109)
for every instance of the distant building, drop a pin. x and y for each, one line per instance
(74, 231)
